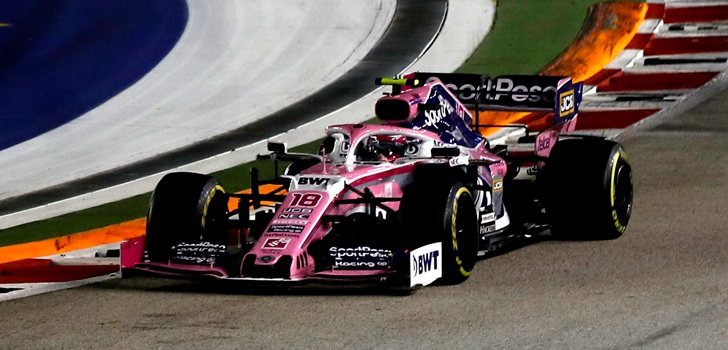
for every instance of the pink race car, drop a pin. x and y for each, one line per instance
(412, 201)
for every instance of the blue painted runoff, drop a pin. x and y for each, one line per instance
(61, 58)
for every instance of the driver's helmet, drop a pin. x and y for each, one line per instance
(383, 148)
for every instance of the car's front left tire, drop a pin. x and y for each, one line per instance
(185, 207)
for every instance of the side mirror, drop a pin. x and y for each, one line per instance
(277, 147)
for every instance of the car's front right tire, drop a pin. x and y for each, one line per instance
(439, 208)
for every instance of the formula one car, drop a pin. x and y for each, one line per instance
(406, 203)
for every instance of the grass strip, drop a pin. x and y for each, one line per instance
(527, 35)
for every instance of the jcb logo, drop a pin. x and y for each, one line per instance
(314, 181)
(566, 103)
(497, 185)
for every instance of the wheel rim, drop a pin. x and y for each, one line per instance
(624, 192)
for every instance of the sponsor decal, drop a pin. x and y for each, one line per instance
(412, 149)
(487, 229)
(543, 144)
(459, 161)
(507, 90)
(289, 222)
(426, 264)
(532, 93)
(276, 243)
(305, 199)
(295, 213)
(432, 118)
(197, 253)
(287, 234)
(503, 89)
(464, 92)
(286, 228)
(313, 181)
(486, 218)
(497, 185)
(462, 85)
(360, 257)
(566, 103)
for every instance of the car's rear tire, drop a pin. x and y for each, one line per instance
(184, 207)
(440, 208)
(588, 189)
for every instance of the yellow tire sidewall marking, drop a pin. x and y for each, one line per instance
(208, 200)
(617, 224)
(453, 229)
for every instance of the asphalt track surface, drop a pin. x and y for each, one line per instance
(416, 21)
(663, 285)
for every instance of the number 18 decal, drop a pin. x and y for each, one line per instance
(305, 199)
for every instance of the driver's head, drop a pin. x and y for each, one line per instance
(385, 148)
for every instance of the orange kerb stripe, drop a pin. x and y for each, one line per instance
(611, 27)
(105, 235)
(96, 237)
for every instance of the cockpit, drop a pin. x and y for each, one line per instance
(374, 146)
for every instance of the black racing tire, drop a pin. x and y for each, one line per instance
(439, 207)
(588, 189)
(184, 207)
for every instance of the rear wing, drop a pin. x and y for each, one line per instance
(537, 93)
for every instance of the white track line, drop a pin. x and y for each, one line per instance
(30, 289)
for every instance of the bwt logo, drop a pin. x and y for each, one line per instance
(314, 181)
(566, 103)
(425, 262)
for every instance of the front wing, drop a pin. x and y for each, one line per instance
(423, 268)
